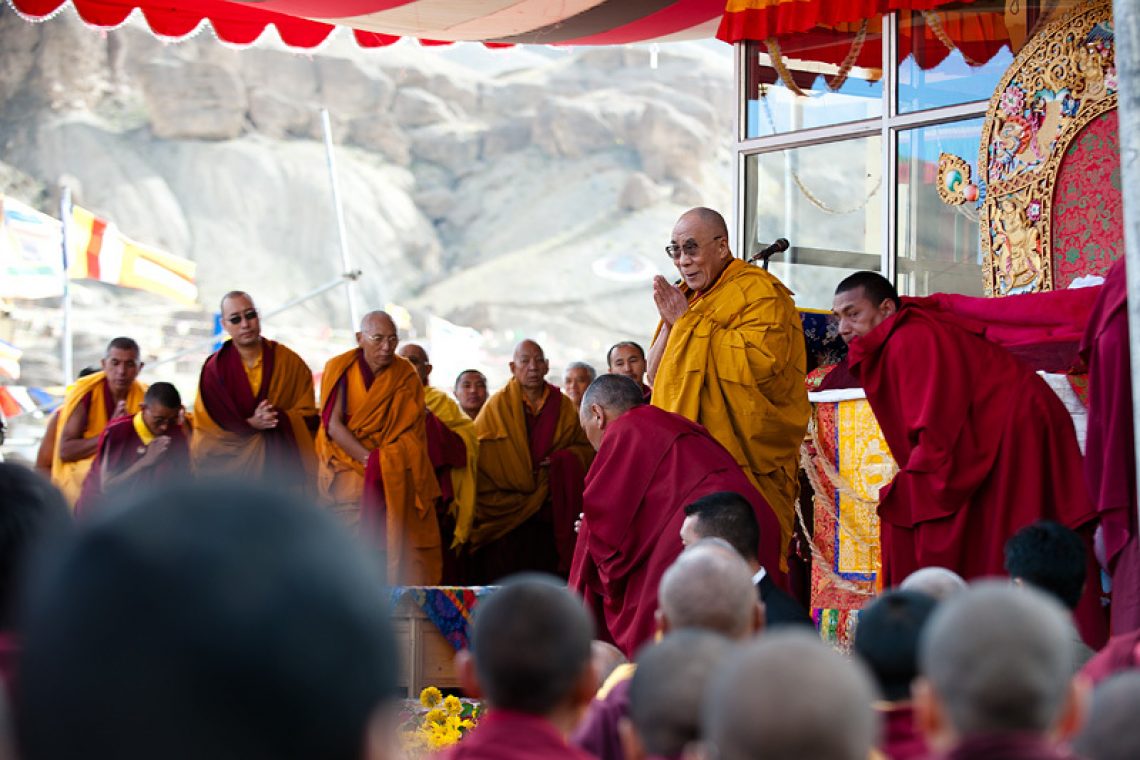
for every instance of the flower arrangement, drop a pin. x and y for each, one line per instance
(436, 721)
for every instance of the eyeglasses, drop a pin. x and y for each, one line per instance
(689, 248)
(249, 316)
(389, 339)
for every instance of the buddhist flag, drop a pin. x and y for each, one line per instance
(30, 261)
(10, 360)
(98, 251)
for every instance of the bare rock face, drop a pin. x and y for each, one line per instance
(507, 137)
(200, 102)
(567, 128)
(276, 116)
(414, 107)
(673, 145)
(687, 193)
(381, 134)
(455, 147)
(18, 40)
(349, 89)
(639, 192)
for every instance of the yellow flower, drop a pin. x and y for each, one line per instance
(435, 716)
(453, 705)
(430, 697)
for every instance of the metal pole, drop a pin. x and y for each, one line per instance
(345, 261)
(1126, 24)
(65, 253)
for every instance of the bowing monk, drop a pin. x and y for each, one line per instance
(533, 457)
(255, 413)
(146, 450)
(628, 358)
(984, 446)
(112, 392)
(454, 452)
(373, 452)
(729, 354)
(650, 465)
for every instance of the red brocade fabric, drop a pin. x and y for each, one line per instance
(651, 464)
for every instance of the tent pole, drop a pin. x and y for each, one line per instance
(65, 252)
(338, 208)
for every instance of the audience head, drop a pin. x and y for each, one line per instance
(607, 399)
(702, 252)
(726, 515)
(1112, 731)
(577, 378)
(1049, 557)
(627, 358)
(667, 692)
(887, 639)
(240, 319)
(530, 648)
(529, 366)
(471, 391)
(30, 509)
(709, 587)
(789, 696)
(415, 353)
(121, 364)
(862, 301)
(216, 621)
(606, 659)
(162, 407)
(995, 659)
(937, 582)
(377, 339)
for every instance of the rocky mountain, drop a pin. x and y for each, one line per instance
(509, 192)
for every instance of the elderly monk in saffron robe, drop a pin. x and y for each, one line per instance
(984, 446)
(373, 453)
(255, 413)
(650, 465)
(454, 452)
(729, 354)
(88, 407)
(533, 457)
(146, 450)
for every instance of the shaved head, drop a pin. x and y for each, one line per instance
(616, 393)
(606, 659)
(374, 320)
(529, 366)
(937, 582)
(711, 220)
(709, 587)
(415, 353)
(1112, 731)
(827, 716)
(668, 689)
(998, 658)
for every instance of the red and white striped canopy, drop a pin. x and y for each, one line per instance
(307, 23)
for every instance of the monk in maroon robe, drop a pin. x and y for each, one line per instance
(984, 446)
(1110, 453)
(145, 450)
(650, 464)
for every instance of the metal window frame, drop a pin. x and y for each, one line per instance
(888, 126)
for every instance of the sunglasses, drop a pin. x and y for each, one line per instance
(249, 316)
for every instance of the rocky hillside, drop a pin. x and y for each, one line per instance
(515, 192)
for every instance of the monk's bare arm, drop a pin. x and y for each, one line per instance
(46, 451)
(72, 445)
(339, 433)
(656, 351)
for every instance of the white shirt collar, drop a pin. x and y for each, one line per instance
(759, 576)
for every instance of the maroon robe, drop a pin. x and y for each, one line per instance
(1007, 747)
(984, 446)
(650, 465)
(598, 732)
(447, 451)
(901, 738)
(506, 735)
(1121, 653)
(120, 447)
(1110, 457)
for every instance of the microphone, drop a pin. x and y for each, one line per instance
(768, 252)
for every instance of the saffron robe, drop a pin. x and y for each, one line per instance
(225, 444)
(512, 487)
(509, 735)
(461, 478)
(650, 465)
(92, 393)
(386, 414)
(120, 446)
(1110, 461)
(735, 363)
(984, 446)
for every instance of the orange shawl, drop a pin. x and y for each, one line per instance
(512, 488)
(69, 476)
(242, 453)
(389, 417)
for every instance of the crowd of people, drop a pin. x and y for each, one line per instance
(190, 586)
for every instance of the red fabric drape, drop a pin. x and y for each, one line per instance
(763, 19)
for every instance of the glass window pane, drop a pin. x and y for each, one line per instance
(827, 201)
(807, 89)
(948, 57)
(939, 246)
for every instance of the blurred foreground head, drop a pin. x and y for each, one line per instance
(214, 621)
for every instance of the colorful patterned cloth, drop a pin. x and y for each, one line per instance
(847, 461)
(449, 608)
(821, 338)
